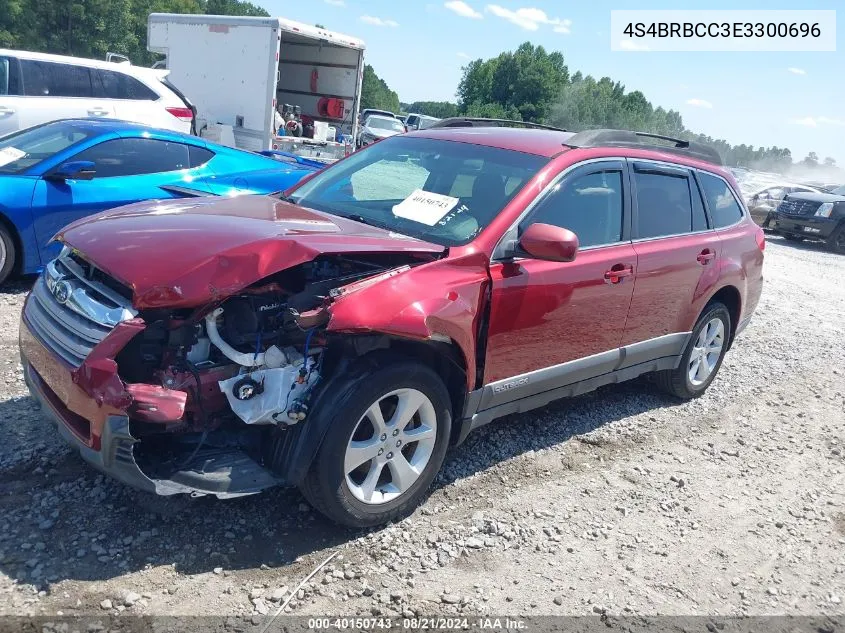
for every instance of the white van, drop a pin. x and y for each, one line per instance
(36, 88)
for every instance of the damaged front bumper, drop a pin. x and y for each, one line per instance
(100, 433)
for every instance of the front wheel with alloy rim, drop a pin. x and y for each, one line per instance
(702, 357)
(387, 439)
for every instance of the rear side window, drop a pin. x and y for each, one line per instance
(199, 155)
(724, 209)
(136, 156)
(664, 205)
(590, 206)
(109, 84)
(48, 79)
(10, 81)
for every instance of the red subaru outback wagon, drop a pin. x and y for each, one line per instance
(340, 336)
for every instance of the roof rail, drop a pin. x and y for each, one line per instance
(645, 140)
(461, 121)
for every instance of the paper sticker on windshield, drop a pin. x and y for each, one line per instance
(425, 207)
(10, 155)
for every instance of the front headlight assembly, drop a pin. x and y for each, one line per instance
(824, 210)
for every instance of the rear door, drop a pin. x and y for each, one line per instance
(127, 170)
(59, 91)
(11, 100)
(677, 254)
(131, 99)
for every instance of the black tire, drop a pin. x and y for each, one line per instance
(8, 263)
(836, 241)
(325, 486)
(677, 381)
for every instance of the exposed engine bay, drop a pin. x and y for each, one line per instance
(247, 368)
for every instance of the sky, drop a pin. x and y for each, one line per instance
(787, 99)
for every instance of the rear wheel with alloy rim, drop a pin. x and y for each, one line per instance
(702, 357)
(385, 444)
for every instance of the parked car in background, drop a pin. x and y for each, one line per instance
(36, 88)
(55, 173)
(763, 203)
(420, 121)
(341, 337)
(366, 112)
(376, 128)
(815, 216)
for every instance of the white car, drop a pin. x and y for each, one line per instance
(377, 127)
(36, 88)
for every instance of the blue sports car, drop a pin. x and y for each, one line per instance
(53, 174)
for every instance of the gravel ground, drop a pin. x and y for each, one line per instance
(619, 502)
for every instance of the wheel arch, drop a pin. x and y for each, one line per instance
(732, 300)
(6, 222)
(351, 358)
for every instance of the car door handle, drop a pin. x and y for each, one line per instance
(618, 272)
(98, 112)
(706, 256)
(4, 111)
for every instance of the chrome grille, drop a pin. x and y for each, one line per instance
(798, 207)
(70, 312)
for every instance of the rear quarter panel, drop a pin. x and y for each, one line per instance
(741, 264)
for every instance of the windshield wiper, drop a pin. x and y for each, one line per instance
(355, 217)
(281, 196)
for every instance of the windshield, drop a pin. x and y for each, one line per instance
(439, 191)
(839, 191)
(385, 124)
(21, 150)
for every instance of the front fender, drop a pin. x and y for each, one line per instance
(16, 211)
(436, 301)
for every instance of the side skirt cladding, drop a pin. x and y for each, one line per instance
(524, 392)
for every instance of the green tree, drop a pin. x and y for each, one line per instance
(523, 82)
(233, 7)
(91, 28)
(439, 109)
(375, 93)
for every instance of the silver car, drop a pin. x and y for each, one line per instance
(376, 127)
(420, 121)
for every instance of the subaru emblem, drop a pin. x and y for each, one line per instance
(62, 291)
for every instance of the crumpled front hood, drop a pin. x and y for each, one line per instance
(187, 253)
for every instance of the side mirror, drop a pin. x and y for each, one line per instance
(73, 170)
(552, 243)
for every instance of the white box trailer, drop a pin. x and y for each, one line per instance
(235, 70)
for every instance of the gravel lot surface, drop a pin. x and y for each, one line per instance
(621, 501)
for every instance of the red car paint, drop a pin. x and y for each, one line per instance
(179, 254)
(541, 314)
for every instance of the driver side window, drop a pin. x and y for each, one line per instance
(589, 205)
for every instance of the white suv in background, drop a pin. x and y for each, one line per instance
(36, 88)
